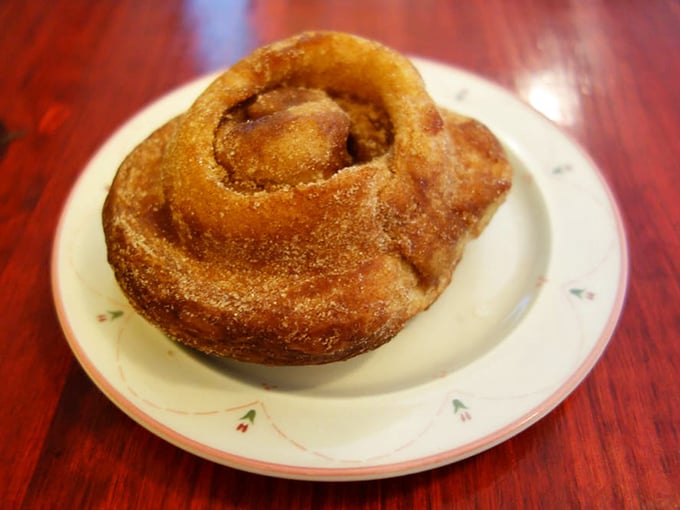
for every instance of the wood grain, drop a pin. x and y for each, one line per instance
(605, 72)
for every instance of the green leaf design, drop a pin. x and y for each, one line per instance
(577, 292)
(561, 169)
(250, 416)
(458, 405)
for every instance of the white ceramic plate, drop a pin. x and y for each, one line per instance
(531, 308)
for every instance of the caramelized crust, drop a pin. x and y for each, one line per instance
(309, 203)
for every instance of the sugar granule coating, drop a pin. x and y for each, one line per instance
(309, 203)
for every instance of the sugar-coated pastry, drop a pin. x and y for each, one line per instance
(309, 203)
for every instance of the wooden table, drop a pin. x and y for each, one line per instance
(74, 70)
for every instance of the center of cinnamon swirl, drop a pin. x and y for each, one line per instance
(286, 136)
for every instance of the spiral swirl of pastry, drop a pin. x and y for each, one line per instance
(308, 204)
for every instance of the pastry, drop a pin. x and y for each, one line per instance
(310, 202)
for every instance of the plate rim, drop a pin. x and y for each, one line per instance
(371, 471)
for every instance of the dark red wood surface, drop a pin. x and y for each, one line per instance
(72, 71)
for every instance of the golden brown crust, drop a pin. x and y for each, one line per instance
(310, 202)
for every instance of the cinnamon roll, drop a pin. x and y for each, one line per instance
(309, 203)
